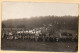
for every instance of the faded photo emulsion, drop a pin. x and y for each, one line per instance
(39, 26)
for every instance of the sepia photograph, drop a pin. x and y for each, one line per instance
(39, 26)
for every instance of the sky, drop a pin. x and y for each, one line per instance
(19, 10)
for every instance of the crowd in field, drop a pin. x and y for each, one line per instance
(36, 37)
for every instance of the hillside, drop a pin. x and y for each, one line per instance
(57, 22)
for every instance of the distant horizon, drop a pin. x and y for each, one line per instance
(19, 10)
(40, 16)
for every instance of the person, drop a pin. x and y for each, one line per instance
(5, 36)
(36, 36)
(57, 39)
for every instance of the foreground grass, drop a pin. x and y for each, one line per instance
(38, 46)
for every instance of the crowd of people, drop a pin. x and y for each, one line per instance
(36, 37)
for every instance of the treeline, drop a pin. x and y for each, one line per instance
(57, 22)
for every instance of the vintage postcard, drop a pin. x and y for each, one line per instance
(40, 26)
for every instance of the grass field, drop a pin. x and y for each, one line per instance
(25, 45)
